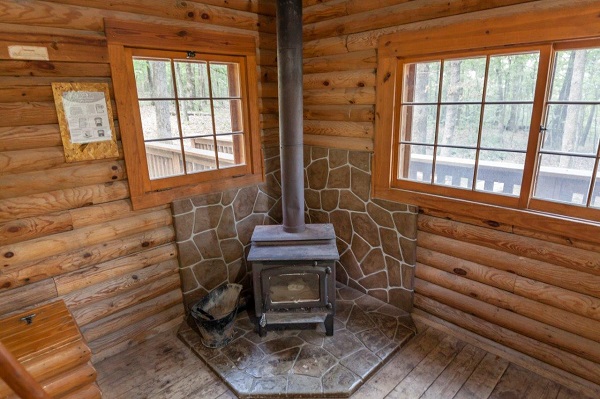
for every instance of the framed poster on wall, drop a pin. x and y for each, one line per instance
(85, 120)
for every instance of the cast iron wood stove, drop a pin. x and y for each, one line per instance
(293, 265)
(294, 275)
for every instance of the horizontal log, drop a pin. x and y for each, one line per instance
(368, 39)
(57, 361)
(90, 391)
(532, 347)
(113, 304)
(467, 269)
(131, 315)
(366, 59)
(103, 272)
(60, 48)
(105, 212)
(269, 121)
(264, 7)
(37, 81)
(266, 58)
(556, 238)
(540, 271)
(268, 106)
(397, 15)
(24, 114)
(30, 160)
(343, 96)
(119, 285)
(361, 78)
(14, 138)
(267, 90)
(488, 224)
(35, 93)
(573, 258)
(14, 255)
(267, 74)
(576, 303)
(349, 113)
(188, 11)
(340, 129)
(348, 143)
(29, 228)
(141, 333)
(61, 178)
(68, 381)
(57, 69)
(558, 320)
(323, 47)
(65, 262)
(14, 299)
(59, 200)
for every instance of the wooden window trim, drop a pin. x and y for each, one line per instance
(123, 39)
(577, 22)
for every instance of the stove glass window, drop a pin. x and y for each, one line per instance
(294, 287)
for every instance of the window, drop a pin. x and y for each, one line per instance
(187, 106)
(511, 124)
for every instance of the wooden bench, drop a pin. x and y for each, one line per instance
(48, 343)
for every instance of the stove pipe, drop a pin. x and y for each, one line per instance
(291, 126)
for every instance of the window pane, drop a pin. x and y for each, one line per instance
(418, 123)
(164, 159)
(153, 78)
(230, 150)
(572, 128)
(463, 80)
(512, 77)
(415, 162)
(454, 167)
(158, 119)
(192, 79)
(421, 82)
(564, 178)
(225, 79)
(500, 172)
(459, 124)
(596, 193)
(200, 154)
(506, 126)
(196, 119)
(228, 116)
(575, 73)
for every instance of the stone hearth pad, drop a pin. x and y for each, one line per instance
(306, 363)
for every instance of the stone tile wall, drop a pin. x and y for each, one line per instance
(376, 239)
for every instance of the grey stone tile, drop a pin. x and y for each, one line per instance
(313, 361)
(242, 353)
(340, 380)
(269, 385)
(342, 344)
(362, 363)
(279, 344)
(302, 384)
(374, 339)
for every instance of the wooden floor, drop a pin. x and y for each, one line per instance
(432, 365)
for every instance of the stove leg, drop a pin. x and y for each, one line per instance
(329, 325)
(262, 331)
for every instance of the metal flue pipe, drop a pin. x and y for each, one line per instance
(291, 126)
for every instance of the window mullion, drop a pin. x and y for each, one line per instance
(180, 130)
(212, 115)
(481, 111)
(437, 121)
(537, 115)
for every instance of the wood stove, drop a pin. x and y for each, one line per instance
(294, 275)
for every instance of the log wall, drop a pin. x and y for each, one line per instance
(531, 291)
(68, 230)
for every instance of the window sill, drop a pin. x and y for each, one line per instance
(495, 216)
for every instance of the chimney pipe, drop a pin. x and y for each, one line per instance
(291, 126)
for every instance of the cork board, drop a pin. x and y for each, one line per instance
(86, 121)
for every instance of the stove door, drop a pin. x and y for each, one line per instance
(297, 286)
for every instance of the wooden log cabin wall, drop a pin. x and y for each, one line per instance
(68, 230)
(524, 288)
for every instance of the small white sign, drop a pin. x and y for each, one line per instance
(87, 116)
(28, 53)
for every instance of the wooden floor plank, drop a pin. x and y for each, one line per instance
(518, 382)
(385, 380)
(433, 364)
(455, 375)
(482, 381)
(426, 372)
